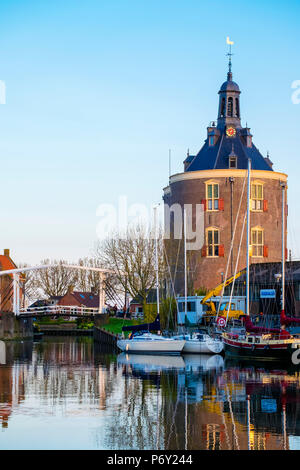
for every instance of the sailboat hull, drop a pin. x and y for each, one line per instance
(169, 347)
(277, 351)
(202, 347)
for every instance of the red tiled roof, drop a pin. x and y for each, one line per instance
(6, 263)
(87, 299)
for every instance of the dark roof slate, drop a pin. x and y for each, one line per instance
(217, 156)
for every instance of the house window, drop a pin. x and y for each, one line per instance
(257, 196)
(213, 242)
(232, 162)
(257, 242)
(212, 196)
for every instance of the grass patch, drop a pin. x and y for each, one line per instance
(115, 325)
(49, 321)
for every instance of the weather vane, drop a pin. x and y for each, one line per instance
(229, 53)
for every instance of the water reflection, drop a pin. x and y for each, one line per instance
(66, 393)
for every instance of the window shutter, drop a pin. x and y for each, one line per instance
(266, 251)
(265, 205)
(286, 210)
(221, 250)
(204, 203)
(203, 251)
(221, 204)
(286, 253)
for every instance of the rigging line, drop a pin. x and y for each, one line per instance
(232, 419)
(231, 245)
(217, 158)
(172, 285)
(169, 270)
(224, 424)
(236, 265)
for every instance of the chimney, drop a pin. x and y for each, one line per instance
(6, 252)
(94, 290)
(70, 289)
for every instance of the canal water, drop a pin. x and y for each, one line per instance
(67, 393)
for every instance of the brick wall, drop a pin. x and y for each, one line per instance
(207, 271)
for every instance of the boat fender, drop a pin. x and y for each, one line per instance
(267, 346)
(253, 347)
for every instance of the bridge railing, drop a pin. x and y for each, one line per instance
(59, 310)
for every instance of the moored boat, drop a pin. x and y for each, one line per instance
(201, 343)
(149, 343)
(259, 342)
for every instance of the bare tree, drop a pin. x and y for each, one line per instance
(132, 256)
(29, 284)
(87, 280)
(55, 280)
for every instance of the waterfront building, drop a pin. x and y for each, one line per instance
(79, 299)
(215, 177)
(6, 283)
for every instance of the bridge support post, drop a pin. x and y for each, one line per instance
(101, 292)
(16, 293)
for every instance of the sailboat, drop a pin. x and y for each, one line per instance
(141, 339)
(259, 342)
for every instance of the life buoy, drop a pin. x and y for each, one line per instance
(221, 322)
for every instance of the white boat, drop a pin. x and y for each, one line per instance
(149, 343)
(195, 363)
(201, 343)
(150, 363)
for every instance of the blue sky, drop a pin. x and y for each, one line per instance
(97, 92)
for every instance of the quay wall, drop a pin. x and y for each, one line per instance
(15, 328)
(104, 337)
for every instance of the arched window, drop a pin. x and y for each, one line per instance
(257, 242)
(212, 242)
(230, 107)
(223, 107)
(212, 196)
(257, 196)
(237, 107)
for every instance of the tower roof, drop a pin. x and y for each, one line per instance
(229, 85)
(228, 139)
(217, 156)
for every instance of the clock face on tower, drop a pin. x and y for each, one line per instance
(231, 132)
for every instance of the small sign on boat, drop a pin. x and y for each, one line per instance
(267, 294)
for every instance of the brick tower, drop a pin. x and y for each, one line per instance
(215, 177)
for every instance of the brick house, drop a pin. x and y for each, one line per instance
(79, 299)
(6, 283)
(215, 178)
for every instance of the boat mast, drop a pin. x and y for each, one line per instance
(185, 271)
(283, 249)
(248, 238)
(156, 259)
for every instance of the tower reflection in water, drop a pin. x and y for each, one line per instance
(148, 402)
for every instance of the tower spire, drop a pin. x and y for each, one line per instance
(230, 54)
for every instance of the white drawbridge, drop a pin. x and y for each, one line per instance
(16, 279)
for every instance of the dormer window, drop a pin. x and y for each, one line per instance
(232, 162)
(211, 140)
(249, 141)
